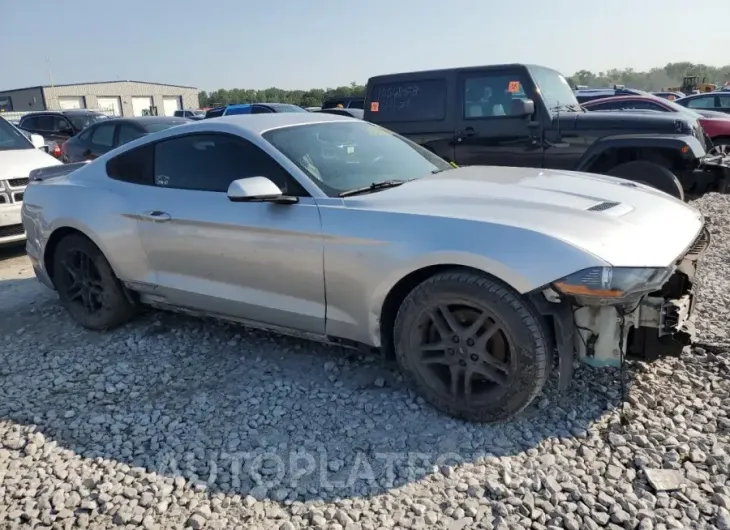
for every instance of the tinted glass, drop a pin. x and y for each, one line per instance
(103, 135)
(339, 156)
(127, 133)
(31, 122)
(162, 125)
(133, 166)
(11, 138)
(214, 113)
(210, 162)
(258, 109)
(707, 102)
(422, 100)
(724, 101)
(61, 125)
(488, 96)
(357, 104)
(238, 110)
(82, 121)
(44, 123)
(282, 107)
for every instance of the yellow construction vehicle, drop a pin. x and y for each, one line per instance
(690, 83)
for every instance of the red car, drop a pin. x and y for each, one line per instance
(716, 125)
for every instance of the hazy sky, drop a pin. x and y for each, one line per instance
(319, 43)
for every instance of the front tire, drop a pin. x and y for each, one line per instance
(87, 285)
(651, 174)
(721, 146)
(471, 346)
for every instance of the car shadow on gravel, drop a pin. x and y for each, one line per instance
(235, 410)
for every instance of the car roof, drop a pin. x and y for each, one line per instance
(715, 93)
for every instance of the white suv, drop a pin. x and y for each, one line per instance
(19, 155)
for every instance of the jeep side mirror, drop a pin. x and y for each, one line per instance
(523, 107)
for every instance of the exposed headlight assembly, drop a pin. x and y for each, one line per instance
(612, 285)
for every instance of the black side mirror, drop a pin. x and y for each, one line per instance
(523, 107)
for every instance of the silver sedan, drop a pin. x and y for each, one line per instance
(335, 229)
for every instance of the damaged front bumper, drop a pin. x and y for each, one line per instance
(658, 325)
(712, 173)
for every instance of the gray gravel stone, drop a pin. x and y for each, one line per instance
(172, 422)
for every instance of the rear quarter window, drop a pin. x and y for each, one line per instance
(418, 100)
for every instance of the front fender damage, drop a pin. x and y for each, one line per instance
(658, 325)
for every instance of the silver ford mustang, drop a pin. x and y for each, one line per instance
(477, 279)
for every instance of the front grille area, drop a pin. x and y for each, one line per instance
(3, 199)
(11, 230)
(18, 183)
(18, 196)
(603, 206)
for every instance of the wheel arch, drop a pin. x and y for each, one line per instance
(610, 152)
(398, 290)
(61, 232)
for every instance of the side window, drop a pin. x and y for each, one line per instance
(60, 124)
(707, 102)
(724, 101)
(103, 135)
(214, 113)
(44, 123)
(127, 133)
(356, 104)
(31, 122)
(491, 96)
(417, 100)
(258, 109)
(86, 134)
(607, 105)
(210, 162)
(133, 166)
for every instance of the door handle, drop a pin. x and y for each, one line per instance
(156, 216)
(465, 133)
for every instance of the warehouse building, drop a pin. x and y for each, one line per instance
(122, 98)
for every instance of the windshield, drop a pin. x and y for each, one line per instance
(341, 156)
(12, 139)
(554, 88)
(283, 107)
(82, 121)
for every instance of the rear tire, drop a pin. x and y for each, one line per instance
(87, 285)
(471, 346)
(651, 174)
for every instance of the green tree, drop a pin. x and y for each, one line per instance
(668, 76)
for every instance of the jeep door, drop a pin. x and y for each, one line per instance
(487, 133)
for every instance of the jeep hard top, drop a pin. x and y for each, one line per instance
(528, 115)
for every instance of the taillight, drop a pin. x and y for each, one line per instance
(58, 150)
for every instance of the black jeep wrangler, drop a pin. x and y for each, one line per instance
(524, 115)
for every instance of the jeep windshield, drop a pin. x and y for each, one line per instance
(11, 139)
(555, 90)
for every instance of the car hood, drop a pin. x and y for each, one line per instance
(20, 162)
(622, 223)
(624, 120)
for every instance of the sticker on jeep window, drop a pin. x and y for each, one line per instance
(374, 106)
(513, 87)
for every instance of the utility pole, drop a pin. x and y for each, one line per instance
(48, 66)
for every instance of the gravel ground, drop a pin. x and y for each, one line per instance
(173, 422)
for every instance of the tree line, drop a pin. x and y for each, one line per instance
(669, 76)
